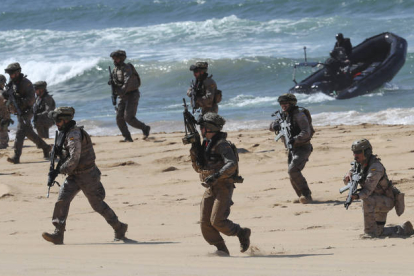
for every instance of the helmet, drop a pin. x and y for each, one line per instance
(212, 121)
(62, 113)
(362, 145)
(40, 84)
(12, 67)
(2, 79)
(339, 36)
(288, 97)
(118, 53)
(199, 66)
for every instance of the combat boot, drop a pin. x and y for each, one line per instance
(14, 159)
(55, 238)
(406, 229)
(46, 151)
(221, 247)
(146, 131)
(120, 231)
(127, 139)
(244, 238)
(305, 199)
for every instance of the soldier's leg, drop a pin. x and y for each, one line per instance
(383, 205)
(210, 234)
(221, 210)
(120, 117)
(375, 209)
(299, 157)
(18, 142)
(31, 134)
(4, 137)
(94, 191)
(131, 111)
(67, 192)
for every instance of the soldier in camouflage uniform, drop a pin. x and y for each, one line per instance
(301, 147)
(205, 88)
(126, 82)
(378, 194)
(44, 103)
(25, 98)
(78, 163)
(4, 117)
(218, 172)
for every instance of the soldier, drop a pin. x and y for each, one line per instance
(301, 131)
(44, 103)
(78, 162)
(23, 92)
(218, 172)
(206, 96)
(4, 117)
(378, 194)
(344, 43)
(126, 82)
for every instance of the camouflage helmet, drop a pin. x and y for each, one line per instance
(62, 113)
(288, 97)
(199, 66)
(2, 79)
(118, 53)
(12, 67)
(40, 84)
(362, 145)
(212, 121)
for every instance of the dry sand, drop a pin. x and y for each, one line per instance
(152, 187)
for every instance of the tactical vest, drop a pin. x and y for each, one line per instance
(295, 130)
(384, 186)
(118, 75)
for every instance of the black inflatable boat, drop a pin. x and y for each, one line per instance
(372, 63)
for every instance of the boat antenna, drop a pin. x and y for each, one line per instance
(304, 49)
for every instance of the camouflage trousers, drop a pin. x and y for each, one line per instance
(25, 129)
(127, 109)
(375, 209)
(4, 137)
(214, 213)
(297, 160)
(90, 184)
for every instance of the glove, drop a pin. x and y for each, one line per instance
(53, 174)
(212, 178)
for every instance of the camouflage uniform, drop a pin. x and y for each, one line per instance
(206, 99)
(377, 194)
(126, 83)
(4, 117)
(25, 98)
(302, 149)
(43, 105)
(78, 158)
(220, 163)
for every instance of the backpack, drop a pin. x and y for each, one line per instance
(308, 115)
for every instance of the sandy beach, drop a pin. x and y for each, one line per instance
(152, 187)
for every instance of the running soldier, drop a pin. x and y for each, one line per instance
(43, 105)
(126, 81)
(4, 117)
(77, 161)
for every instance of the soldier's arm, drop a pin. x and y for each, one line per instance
(127, 72)
(304, 126)
(229, 158)
(27, 98)
(211, 90)
(74, 146)
(375, 173)
(49, 106)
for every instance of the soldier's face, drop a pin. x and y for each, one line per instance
(285, 106)
(14, 75)
(197, 74)
(60, 124)
(39, 92)
(117, 60)
(206, 134)
(359, 156)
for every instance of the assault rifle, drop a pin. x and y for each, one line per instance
(195, 91)
(57, 148)
(284, 129)
(111, 83)
(352, 185)
(191, 134)
(9, 94)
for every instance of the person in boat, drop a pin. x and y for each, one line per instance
(344, 43)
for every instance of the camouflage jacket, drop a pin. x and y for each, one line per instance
(218, 158)
(4, 111)
(126, 79)
(206, 96)
(42, 107)
(374, 179)
(24, 93)
(78, 153)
